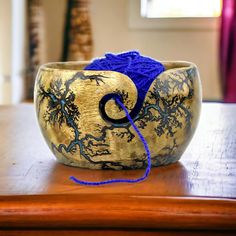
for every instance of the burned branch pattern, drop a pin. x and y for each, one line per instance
(61, 110)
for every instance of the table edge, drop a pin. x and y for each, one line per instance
(117, 211)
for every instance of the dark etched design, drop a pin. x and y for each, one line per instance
(61, 109)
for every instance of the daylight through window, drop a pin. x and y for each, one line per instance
(180, 8)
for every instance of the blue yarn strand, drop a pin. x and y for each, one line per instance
(110, 181)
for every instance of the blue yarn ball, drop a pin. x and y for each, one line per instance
(141, 70)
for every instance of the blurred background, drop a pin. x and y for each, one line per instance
(33, 32)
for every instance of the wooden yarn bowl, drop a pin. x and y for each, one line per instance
(67, 102)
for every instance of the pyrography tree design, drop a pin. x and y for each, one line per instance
(62, 110)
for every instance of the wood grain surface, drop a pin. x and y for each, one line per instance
(116, 211)
(111, 232)
(199, 192)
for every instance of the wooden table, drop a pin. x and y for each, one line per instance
(197, 193)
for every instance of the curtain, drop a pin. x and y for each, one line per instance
(35, 43)
(228, 50)
(78, 43)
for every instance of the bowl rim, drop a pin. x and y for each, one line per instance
(79, 65)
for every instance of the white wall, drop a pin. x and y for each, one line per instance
(12, 50)
(5, 51)
(18, 44)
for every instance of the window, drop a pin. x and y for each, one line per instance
(180, 8)
(175, 14)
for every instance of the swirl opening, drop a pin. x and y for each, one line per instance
(102, 104)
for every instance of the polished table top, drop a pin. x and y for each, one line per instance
(202, 183)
